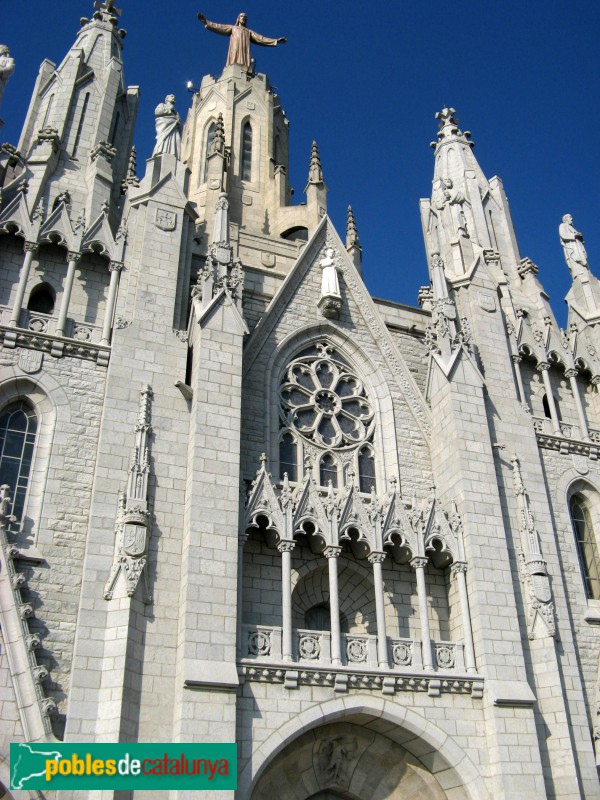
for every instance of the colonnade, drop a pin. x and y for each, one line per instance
(73, 259)
(376, 559)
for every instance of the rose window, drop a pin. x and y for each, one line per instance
(323, 400)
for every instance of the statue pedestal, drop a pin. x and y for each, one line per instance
(329, 305)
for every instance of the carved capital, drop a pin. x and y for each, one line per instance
(286, 546)
(115, 266)
(376, 557)
(331, 551)
(516, 359)
(458, 566)
(31, 247)
(571, 373)
(73, 256)
(543, 366)
(419, 562)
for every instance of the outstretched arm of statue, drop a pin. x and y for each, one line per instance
(265, 40)
(217, 27)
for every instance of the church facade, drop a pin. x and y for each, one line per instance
(244, 501)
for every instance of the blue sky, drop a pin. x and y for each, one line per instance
(365, 81)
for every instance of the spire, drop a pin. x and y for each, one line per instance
(315, 171)
(466, 215)
(79, 127)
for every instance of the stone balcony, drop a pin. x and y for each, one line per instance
(570, 439)
(261, 659)
(36, 331)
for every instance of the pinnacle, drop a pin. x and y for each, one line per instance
(352, 239)
(131, 179)
(315, 171)
(219, 140)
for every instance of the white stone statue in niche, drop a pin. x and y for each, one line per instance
(331, 299)
(7, 67)
(450, 200)
(168, 128)
(572, 242)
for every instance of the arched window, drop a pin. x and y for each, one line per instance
(288, 457)
(41, 299)
(366, 470)
(246, 170)
(210, 139)
(18, 428)
(80, 126)
(546, 407)
(328, 471)
(587, 546)
(318, 618)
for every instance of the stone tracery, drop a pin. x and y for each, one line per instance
(324, 401)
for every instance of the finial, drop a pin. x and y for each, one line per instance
(315, 172)
(263, 460)
(131, 179)
(219, 140)
(105, 208)
(351, 231)
(449, 127)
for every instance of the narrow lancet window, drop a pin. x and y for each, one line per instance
(18, 428)
(328, 471)
(246, 170)
(288, 459)
(587, 547)
(210, 139)
(366, 470)
(80, 126)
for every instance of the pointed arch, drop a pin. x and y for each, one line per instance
(246, 152)
(329, 470)
(210, 130)
(583, 502)
(441, 756)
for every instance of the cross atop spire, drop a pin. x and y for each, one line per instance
(449, 127)
(107, 7)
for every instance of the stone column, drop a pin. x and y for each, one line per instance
(543, 367)
(418, 564)
(115, 272)
(571, 374)
(331, 554)
(459, 569)
(242, 539)
(31, 249)
(377, 559)
(74, 259)
(285, 547)
(520, 388)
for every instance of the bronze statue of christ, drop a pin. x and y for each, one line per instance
(240, 38)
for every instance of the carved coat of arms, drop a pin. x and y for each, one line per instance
(165, 220)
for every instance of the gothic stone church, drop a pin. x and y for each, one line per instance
(244, 501)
